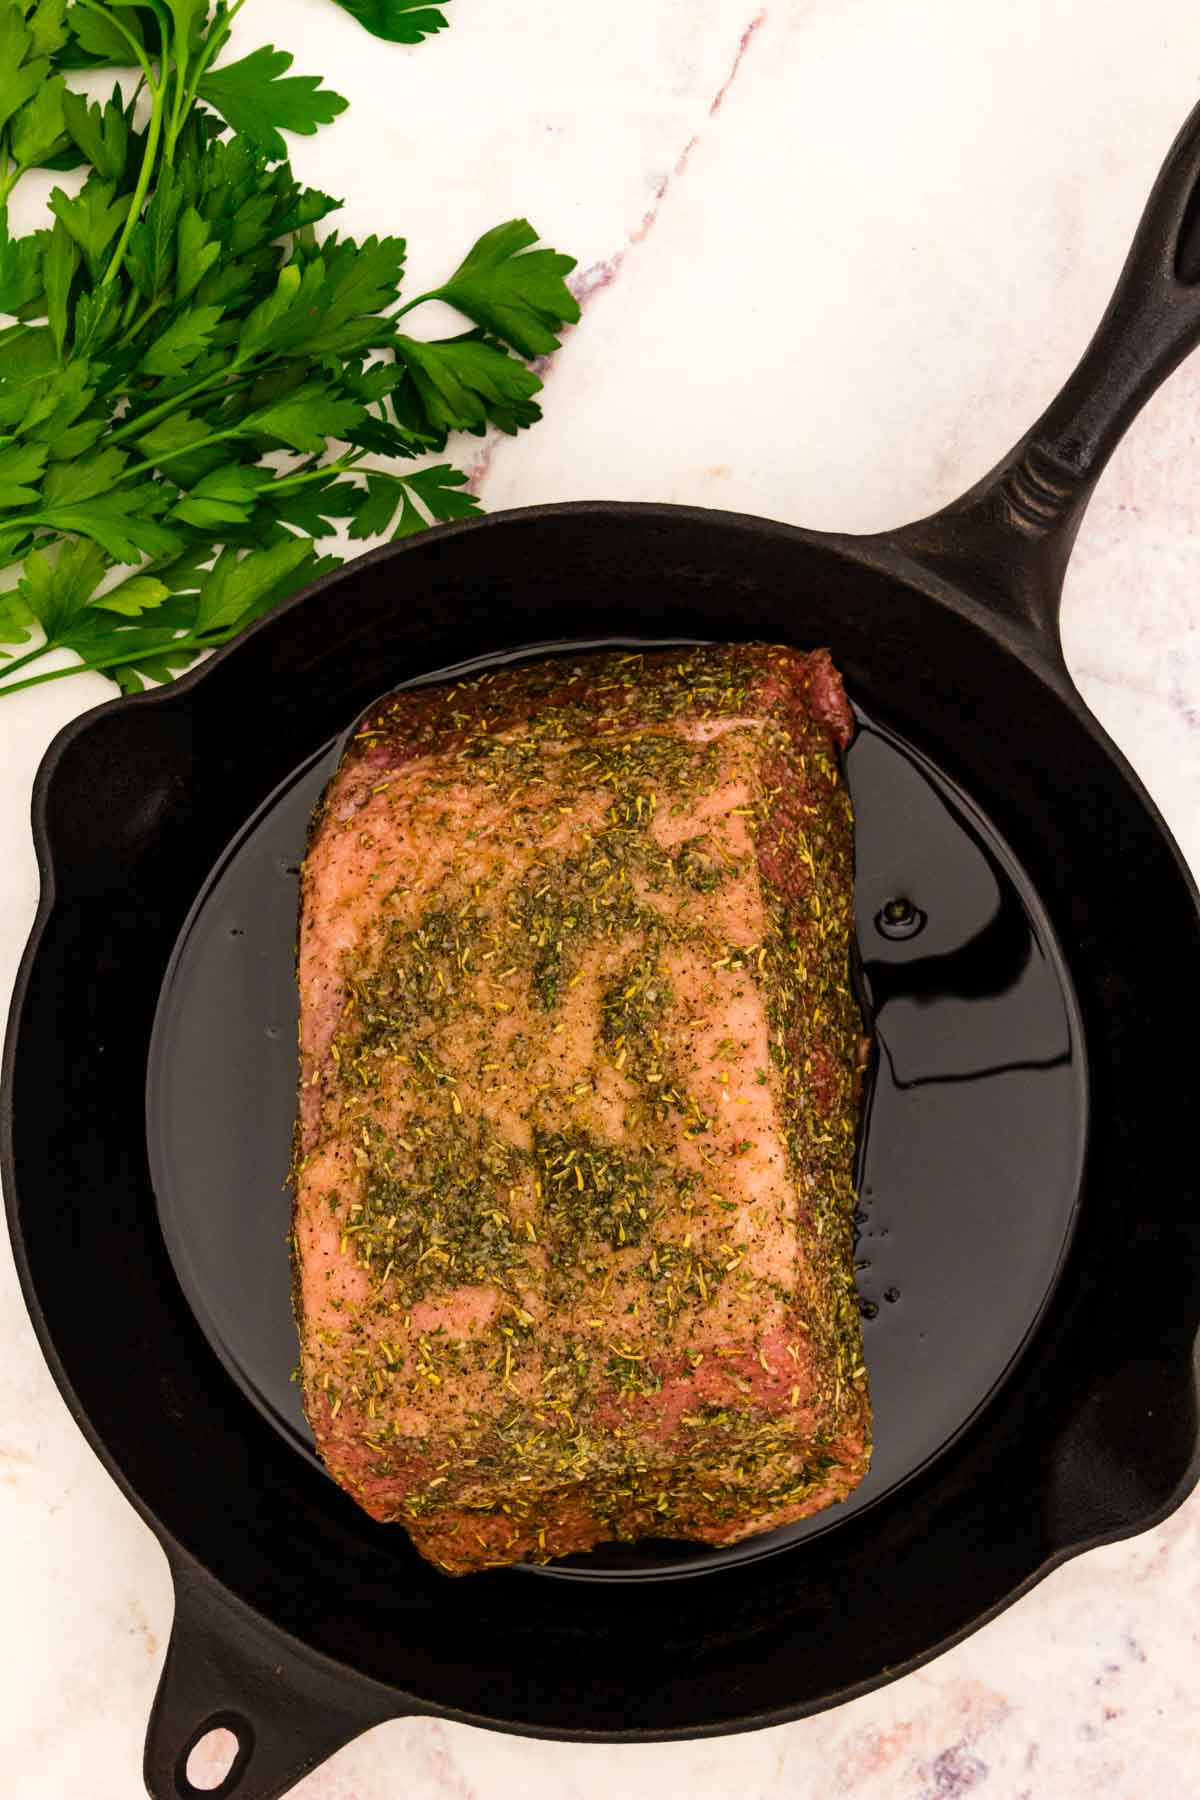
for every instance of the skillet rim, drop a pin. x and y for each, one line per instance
(1011, 535)
(880, 552)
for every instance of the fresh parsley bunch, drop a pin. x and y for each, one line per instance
(194, 387)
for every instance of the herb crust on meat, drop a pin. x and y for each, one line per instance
(579, 1081)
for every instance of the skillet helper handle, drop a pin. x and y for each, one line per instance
(226, 1669)
(1022, 519)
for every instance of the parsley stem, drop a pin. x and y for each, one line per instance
(143, 183)
(201, 443)
(81, 668)
(411, 305)
(134, 427)
(175, 122)
(283, 485)
(147, 313)
(287, 482)
(21, 662)
(185, 645)
(216, 42)
(9, 177)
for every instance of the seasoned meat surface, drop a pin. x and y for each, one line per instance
(573, 1172)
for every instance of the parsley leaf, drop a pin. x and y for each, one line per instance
(100, 39)
(411, 520)
(132, 597)
(47, 26)
(20, 465)
(197, 252)
(102, 133)
(384, 494)
(20, 267)
(15, 619)
(222, 497)
(96, 319)
(38, 130)
(93, 218)
(188, 15)
(181, 342)
(114, 524)
(57, 592)
(315, 507)
(67, 483)
(239, 585)
(399, 21)
(151, 254)
(133, 676)
(516, 293)
(60, 263)
(464, 382)
(255, 96)
(196, 389)
(131, 650)
(59, 397)
(20, 79)
(305, 419)
(440, 489)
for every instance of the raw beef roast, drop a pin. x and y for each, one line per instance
(579, 1082)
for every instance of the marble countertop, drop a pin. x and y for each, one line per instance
(835, 255)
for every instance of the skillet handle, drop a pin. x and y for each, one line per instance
(226, 1669)
(1010, 538)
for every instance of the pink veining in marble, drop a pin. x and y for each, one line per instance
(585, 283)
(744, 43)
(602, 274)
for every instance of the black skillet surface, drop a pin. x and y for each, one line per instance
(970, 1152)
(299, 1623)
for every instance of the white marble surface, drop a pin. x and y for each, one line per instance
(836, 254)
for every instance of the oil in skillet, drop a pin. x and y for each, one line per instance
(969, 1152)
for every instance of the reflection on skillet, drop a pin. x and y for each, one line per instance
(969, 1152)
(975, 943)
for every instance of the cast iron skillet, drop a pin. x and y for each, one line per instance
(299, 1623)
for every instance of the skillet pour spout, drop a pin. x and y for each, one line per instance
(299, 1623)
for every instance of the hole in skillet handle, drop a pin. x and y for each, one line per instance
(216, 1758)
(228, 1670)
